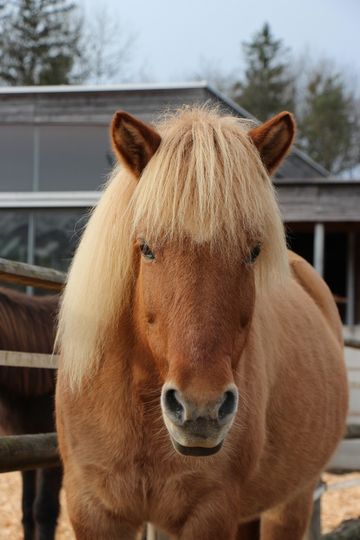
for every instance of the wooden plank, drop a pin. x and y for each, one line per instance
(352, 431)
(28, 274)
(24, 452)
(346, 457)
(330, 202)
(352, 360)
(31, 360)
(346, 484)
(352, 342)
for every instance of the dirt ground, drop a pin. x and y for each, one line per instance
(336, 506)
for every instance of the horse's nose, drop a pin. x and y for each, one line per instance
(181, 410)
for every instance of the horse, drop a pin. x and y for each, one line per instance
(202, 385)
(27, 323)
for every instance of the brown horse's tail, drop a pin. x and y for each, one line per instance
(315, 286)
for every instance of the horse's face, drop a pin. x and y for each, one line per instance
(193, 308)
(193, 311)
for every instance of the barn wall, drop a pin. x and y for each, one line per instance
(357, 279)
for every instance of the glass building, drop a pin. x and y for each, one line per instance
(55, 156)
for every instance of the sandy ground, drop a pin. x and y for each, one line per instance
(336, 506)
(340, 504)
(10, 510)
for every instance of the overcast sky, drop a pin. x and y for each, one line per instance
(175, 38)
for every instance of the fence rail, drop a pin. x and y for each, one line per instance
(24, 452)
(354, 343)
(28, 274)
(30, 360)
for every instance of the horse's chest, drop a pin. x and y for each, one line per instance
(149, 489)
(142, 476)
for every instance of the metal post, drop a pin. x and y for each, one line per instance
(35, 186)
(153, 534)
(319, 245)
(36, 157)
(150, 532)
(30, 245)
(350, 280)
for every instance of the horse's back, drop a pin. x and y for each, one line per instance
(27, 324)
(316, 288)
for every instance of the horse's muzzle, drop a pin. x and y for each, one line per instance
(197, 451)
(198, 428)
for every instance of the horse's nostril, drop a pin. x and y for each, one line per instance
(173, 405)
(228, 405)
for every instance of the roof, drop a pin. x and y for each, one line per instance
(96, 105)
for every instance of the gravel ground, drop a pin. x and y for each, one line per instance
(336, 506)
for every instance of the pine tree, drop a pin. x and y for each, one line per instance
(40, 42)
(268, 86)
(329, 125)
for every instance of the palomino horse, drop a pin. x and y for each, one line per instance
(27, 401)
(202, 385)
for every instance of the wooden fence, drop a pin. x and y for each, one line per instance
(23, 452)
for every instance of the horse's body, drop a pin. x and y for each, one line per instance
(27, 401)
(246, 372)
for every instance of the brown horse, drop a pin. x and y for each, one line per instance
(202, 385)
(27, 401)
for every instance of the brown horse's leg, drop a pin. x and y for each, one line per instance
(205, 524)
(290, 520)
(105, 529)
(249, 531)
(210, 532)
(28, 498)
(47, 504)
(91, 521)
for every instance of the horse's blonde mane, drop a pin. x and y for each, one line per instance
(206, 183)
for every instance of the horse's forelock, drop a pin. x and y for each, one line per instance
(207, 183)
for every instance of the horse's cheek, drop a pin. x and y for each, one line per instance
(150, 321)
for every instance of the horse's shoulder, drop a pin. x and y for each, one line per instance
(315, 286)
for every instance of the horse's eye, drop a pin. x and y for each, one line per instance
(255, 252)
(146, 251)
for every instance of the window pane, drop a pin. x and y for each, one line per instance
(57, 234)
(73, 158)
(14, 235)
(16, 158)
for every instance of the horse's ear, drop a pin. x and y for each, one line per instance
(273, 139)
(134, 142)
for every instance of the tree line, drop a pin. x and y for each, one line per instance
(45, 42)
(49, 42)
(327, 110)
